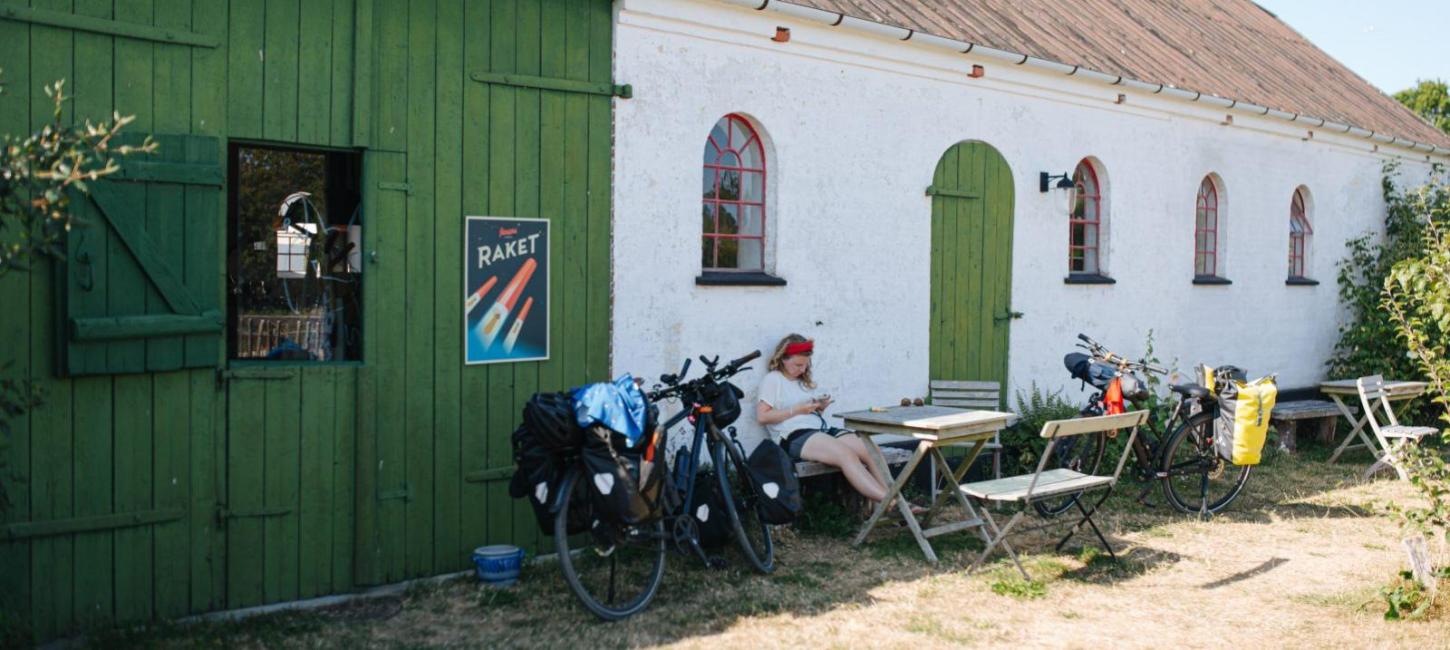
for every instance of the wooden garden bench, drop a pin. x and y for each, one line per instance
(1288, 416)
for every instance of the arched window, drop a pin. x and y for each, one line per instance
(1206, 230)
(733, 212)
(1299, 234)
(1085, 221)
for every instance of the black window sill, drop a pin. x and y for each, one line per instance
(738, 279)
(1088, 278)
(1211, 279)
(1301, 282)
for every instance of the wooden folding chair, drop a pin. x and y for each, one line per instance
(976, 395)
(1044, 483)
(1392, 437)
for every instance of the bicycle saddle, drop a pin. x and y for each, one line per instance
(1190, 390)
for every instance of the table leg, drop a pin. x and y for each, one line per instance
(945, 471)
(893, 495)
(1356, 430)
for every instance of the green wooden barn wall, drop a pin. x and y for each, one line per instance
(267, 483)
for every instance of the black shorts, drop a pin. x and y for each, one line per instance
(796, 441)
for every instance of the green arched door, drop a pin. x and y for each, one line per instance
(971, 264)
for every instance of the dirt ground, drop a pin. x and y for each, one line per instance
(1297, 562)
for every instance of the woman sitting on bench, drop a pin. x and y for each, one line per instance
(791, 412)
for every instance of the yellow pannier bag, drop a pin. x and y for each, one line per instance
(1243, 419)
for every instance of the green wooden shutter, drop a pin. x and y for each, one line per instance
(140, 289)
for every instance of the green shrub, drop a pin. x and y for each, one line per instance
(1022, 444)
(1369, 341)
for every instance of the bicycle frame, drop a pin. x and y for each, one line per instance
(704, 422)
(1146, 447)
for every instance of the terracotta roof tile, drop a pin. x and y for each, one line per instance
(1229, 48)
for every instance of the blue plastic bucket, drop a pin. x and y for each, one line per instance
(498, 565)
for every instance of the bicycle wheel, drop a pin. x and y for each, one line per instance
(740, 498)
(1080, 454)
(1195, 473)
(615, 571)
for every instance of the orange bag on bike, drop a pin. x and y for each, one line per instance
(1113, 398)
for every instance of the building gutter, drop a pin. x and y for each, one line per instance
(883, 30)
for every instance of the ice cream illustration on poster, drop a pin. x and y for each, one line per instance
(506, 290)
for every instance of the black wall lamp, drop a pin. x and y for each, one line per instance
(1044, 181)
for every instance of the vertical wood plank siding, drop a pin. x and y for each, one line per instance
(323, 478)
(971, 264)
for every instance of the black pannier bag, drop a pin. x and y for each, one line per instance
(537, 477)
(1095, 373)
(726, 405)
(773, 475)
(624, 487)
(550, 417)
(707, 508)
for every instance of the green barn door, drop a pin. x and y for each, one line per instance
(971, 264)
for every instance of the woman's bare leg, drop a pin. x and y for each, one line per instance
(828, 450)
(858, 447)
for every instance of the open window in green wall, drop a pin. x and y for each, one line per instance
(140, 287)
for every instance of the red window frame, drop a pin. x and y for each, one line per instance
(1205, 230)
(715, 163)
(1080, 252)
(1299, 232)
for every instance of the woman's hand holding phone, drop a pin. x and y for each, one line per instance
(822, 402)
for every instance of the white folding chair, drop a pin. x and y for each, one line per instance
(1047, 483)
(1393, 436)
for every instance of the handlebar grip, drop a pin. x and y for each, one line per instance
(1084, 338)
(746, 359)
(685, 369)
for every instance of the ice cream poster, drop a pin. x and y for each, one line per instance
(506, 290)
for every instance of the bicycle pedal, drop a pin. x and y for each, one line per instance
(718, 563)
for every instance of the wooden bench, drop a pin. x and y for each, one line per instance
(1287, 417)
(806, 468)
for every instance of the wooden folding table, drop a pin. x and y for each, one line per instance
(935, 427)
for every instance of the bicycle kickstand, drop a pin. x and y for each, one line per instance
(1142, 498)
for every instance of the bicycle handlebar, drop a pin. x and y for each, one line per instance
(1099, 351)
(676, 384)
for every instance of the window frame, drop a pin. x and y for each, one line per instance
(1299, 240)
(346, 173)
(1207, 203)
(753, 137)
(1096, 223)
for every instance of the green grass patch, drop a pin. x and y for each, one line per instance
(1019, 588)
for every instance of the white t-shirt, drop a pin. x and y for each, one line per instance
(781, 393)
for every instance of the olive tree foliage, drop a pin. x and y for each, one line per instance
(39, 173)
(1416, 299)
(1431, 99)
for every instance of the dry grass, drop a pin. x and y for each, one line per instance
(1298, 562)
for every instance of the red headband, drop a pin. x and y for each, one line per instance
(799, 348)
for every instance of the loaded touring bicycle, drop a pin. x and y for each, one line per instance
(615, 507)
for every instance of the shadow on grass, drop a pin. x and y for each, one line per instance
(818, 572)
(1264, 567)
